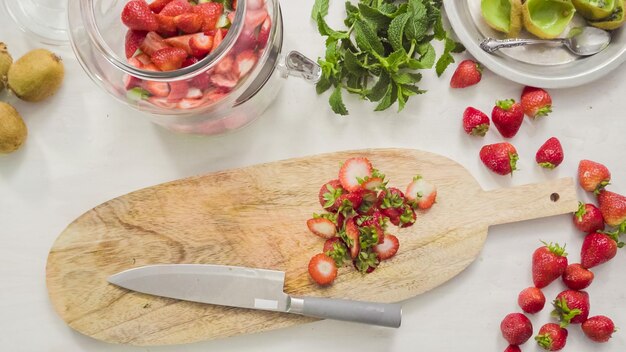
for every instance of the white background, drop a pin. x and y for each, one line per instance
(84, 148)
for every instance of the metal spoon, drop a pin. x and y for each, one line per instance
(584, 41)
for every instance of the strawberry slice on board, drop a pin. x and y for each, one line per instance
(352, 237)
(420, 193)
(353, 170)
(322, 227)
(388, 248)
(322, 269)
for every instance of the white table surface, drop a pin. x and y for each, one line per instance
(85, 148)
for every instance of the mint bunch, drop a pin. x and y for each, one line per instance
(379, 55)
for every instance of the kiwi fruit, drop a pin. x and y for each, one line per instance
(36, 76)
(13, 130)
(5, 62)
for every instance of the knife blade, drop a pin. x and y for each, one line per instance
(248, 288)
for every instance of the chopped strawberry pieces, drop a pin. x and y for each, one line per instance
(245, 62)
(133, 40)
(152, 43)
(157, 5)
(137, 16)
(167, 25)
(388, 248)
(322, 227)
(158, 89)
(210, 13)
(181, 41)
(224, 81)
(169, 59)
(178, 91)
(176, 7)
(322, 269)
(200, 45)
(188, 22)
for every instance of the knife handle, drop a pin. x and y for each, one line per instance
(382, 314)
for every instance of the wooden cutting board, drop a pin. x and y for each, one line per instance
(256, 217)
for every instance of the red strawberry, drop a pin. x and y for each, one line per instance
(322, 269)
(352, 234)
(133, 61)
(571, 307)
(613, 208)
(475, 122)
(131, 82)
(158, 89)
(188, 22)
(548, 264)
(593, 176)
(200, 45)
(512, 348)
(576, 277)
(373, 183)
(597, 248)
(178, 91)
(408, 217)
(176, 7)
(376, 220)
(182, 41)
(194, 93)
(245, 62)
(366, 262)
(322, 227)
(588, 218)
(137, 16)
(329, 244)
(516, 328)
(420, 193)
(352, 170)
(161, 103)
(466, 74)
(144, 59)
(226, 81)
(226, 65)
(264, 32)
(551, 337)
(536, 102)
(254, 19)
(167, 25)
(133, 40)
(190, 60)
(329, 195)
(336, 249)
(210, 13)
(507, 116)
(349, 202)
(598, 328)
(388, 248)
(217, 39)
(500, 158)
(157, 5)
(369, 202)
(169, 59)
(550, 154)
(531, 300)
(152, 43)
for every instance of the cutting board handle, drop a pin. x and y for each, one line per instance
(531, 201)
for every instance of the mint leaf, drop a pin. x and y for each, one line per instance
(380, 88)
(396, 59)
(427, 57)
(353, 64)
(319, 8)
(336, 102)
(373, 16)
(446, 58)
(417, 26)
(323, 85)
(366, 38)
(401, 98)
(326, 31)
(352, 14)
(391, 95)
(396, 31)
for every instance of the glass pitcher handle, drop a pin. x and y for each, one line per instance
(298, 65)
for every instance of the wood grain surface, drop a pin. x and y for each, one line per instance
(256, 217)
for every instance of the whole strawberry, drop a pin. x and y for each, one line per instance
(597, 248)
(536, 102)
(599, 328)
(475, 122)
(588, 218)
(507, 116)
(571, 307)
(516, 328)
(613, 209)
(551, 337)
(137, 16)
(576, 277)
(500, 158)
(548, 264)
(466, 74)
(531, 300)
(593, 176)
(550, 154)
(512, 348)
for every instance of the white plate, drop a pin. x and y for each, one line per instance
(540, 66)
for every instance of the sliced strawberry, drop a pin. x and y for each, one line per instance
(181, 41)
(137, 16)
(178, 91)
(187, 104)
(329, 195)
(393, 214)
(135, 62)
(169, 59)
(201, 81)
(144, 59)
(224, 81)
(391, 198)
(322, 227)
(231, 16)
(200, 45)
(161, 103)
(352, 170)
(350, 202)
(167, 25)
(322, 269)
(264, 32)
(377, 220)
(210, 13)
(408, 217)
(217, 39)
(234, 5)
(369, 203)
(255, 4)
(245, 62)
(131, 82)
(188, 22)
(255, 18)
(373, 183)
(352, 236)
(194, 93)
(189, 61)
(157, 5)
(420, 193)
(225, 65)
(151, 67)
(133, 40)
(158, 89)
(388, 248)
(152, 43)
(176, 8)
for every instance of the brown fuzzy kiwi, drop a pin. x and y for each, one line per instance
(13, 130)
(36, 75)
(5, 62)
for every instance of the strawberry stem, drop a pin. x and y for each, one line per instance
(556, 248)
(505, 104)
(563, 312)
(544, 341)
(582, 210)
(544, 111)
(513, 158)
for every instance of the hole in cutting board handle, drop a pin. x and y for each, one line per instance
(555, 197)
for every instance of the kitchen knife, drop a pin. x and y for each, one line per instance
(248, 288)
